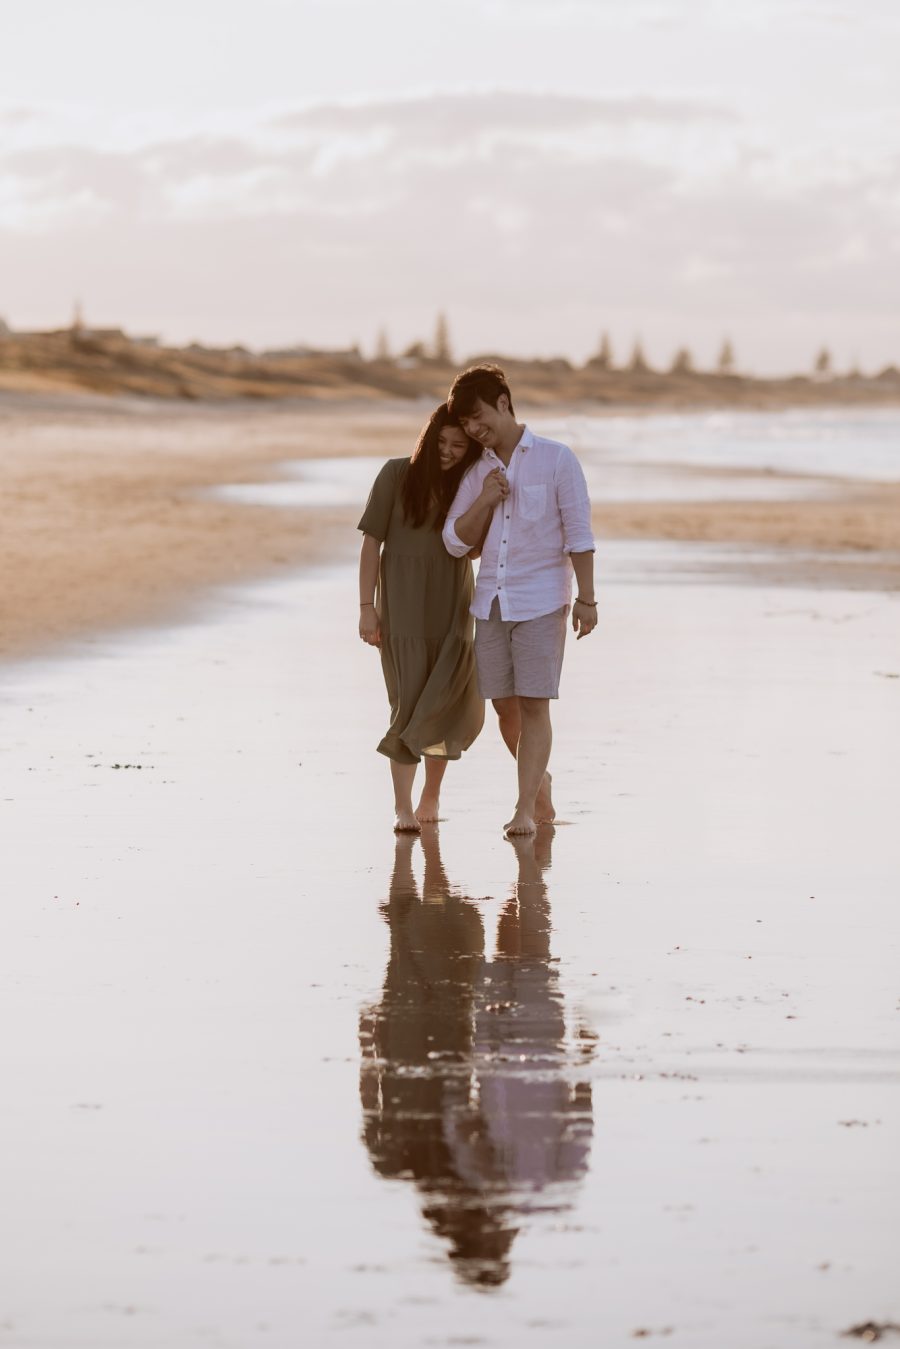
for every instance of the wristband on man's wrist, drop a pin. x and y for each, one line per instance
(366, 604)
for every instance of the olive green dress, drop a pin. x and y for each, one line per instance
(427, 651)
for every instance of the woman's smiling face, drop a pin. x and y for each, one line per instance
(452, 445)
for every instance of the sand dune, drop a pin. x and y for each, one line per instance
(111, 363)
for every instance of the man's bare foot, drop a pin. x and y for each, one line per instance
(544, 809)
(521, 823)
(428, 809)
(406, 823)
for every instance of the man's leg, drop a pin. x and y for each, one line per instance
(428, 809)
(533, 755)
(509, 719)
(404, 775)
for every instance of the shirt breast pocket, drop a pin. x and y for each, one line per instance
(533, 501)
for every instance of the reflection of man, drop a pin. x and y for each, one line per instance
(535, 1122)
(531, 496)
(450, 1092)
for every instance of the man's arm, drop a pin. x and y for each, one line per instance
(584, 610)
(578, 539)
(473, 525)
(574, 504)
(583, 566)
(471, 510)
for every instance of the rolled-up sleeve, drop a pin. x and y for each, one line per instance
(466, 495)
(574, 505)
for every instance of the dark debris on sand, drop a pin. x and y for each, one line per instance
(871, 1331)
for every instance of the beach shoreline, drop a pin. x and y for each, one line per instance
(113, 519)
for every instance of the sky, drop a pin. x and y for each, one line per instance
(539, 170)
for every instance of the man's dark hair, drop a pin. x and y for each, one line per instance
(485, 382)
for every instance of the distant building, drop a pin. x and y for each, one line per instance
(298, 350)
(301, 350)
(78, 329)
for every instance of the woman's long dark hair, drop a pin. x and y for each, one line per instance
(425, 482)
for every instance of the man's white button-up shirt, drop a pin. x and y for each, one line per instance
(525, 559)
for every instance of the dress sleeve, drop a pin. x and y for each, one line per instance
(377, 516)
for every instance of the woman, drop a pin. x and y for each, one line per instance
(420, 619)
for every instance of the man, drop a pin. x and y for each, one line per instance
(531, 495)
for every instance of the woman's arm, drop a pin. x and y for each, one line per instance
(369, 557)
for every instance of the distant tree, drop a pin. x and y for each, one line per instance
(822, 364)
(415, 352)
(638, 363)
(442, 350)
(382, 346)
(726, 360)
(682, 362)
(604, 357)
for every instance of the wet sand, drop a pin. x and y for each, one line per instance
(271, 1076)
(111, 516)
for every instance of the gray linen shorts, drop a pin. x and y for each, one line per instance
(523, 659)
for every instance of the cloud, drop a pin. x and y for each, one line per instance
(16, 117)
(454, 117)
(530, 215)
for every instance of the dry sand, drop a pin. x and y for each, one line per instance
(107, 520)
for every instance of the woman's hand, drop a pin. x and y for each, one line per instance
(495, 488)
(369, 625)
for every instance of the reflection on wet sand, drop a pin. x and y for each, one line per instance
(469, 1079)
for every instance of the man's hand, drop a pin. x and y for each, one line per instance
(584, 618)
(369, 625)
(495, 488)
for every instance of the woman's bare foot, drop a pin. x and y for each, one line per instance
(406, 823)
(428, 809)
(544, 810)
(521, 823)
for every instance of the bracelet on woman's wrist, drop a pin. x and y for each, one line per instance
(366, 604)
(591, 604)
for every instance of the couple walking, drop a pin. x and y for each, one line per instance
(479, 483)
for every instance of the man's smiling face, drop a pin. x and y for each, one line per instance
(485, 424)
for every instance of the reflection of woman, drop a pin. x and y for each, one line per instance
(421, 619)
(465, 1078)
